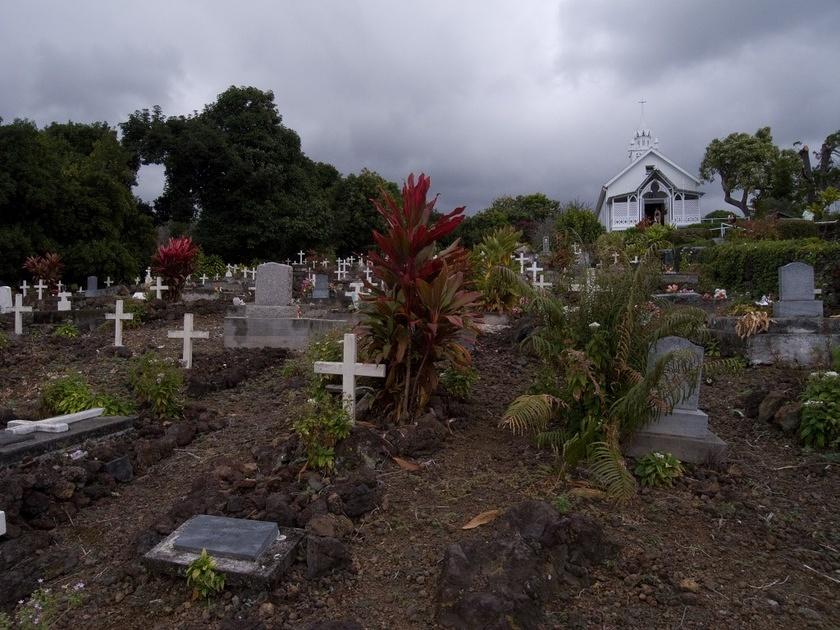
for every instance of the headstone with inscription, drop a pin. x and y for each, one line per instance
(796, 292)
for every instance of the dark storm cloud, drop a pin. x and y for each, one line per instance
(489, 97)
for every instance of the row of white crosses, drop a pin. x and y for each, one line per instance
(533, 269)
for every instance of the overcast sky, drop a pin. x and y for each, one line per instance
(489, 97)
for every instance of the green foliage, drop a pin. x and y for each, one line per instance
(495, 250)
(835, 358)
(653, 237)
(579, 224)
(562, 503)
(820, 423)
(43, 608)
(67, 330)
(67, 189)
(459, 381)
(354, 217)
(526, 213)
(324, 347)
(139, 309)
(203, 577)
(157, 385)
(323, 425)
(419, 313)
(658, 469)
(4, 340)
(595, 384)
(210, 266)
(71, 394)
(797, 228)
(752, 267)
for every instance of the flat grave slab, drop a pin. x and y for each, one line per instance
(249, 553)
(40, 443)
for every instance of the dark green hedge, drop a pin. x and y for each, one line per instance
(752, 267)
(798, 228)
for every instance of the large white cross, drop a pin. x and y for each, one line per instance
(301, 255)
(19, 309)
(40, 288)
(521, 260)
(63, 301)
(534, 269)
(158, 287)
(349, 370)
(118, 316)
(542, 284)
(23, 287)
(57, 424)
(188, 334)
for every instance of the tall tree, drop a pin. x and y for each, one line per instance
(354, 215)
(524, 212)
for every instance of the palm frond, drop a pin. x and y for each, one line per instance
(530, 413)
(610, 472)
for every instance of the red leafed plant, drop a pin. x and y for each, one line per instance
(419, 314)
(173, 262)
(47, 268)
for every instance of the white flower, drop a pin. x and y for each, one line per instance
(594, 326)
(812, 403)
(831, 374)
(720, 294)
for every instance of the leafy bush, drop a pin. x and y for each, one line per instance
(422, 315)
(211, 266)
(580, 224)
(47, 268)
(658, 469)
(719, 214)
(324, 347)
(71, 394)
(202, 575)
(139, 309)
(157, 385)
(174, 261)
(459, 381)
(797, 228)
(495, 250)
(752, 267)
(820, 424)
(67, 330)
(646, 237)
(595, 384)
(320, 429)
(691, 236)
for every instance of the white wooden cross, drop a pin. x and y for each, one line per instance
(635, 260)
(324, 263)
(63, 301)
(216, 277)
(340, 273)
(118, 316)
(203, 278)
(301, 255)
(349, 370)
(188, 334)
(40, 288)
(534, 269)
(19, 309)
(615, 257)
(23, 287)
(521, 260)
(60, 286)
(108, 282)
(351, 260)
(57, 424)
(136, 280)
(542, 284)
(158, 287)
(356, 291)
(367, 274)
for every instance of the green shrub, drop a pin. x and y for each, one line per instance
(719, 214)
(820, 425)
(4, 340)
(325, 347)
(157, 385)
(752, 267)
(212, 265)
(71, 394)
(320, 429)
(68, 330)
(797, 228)
(459, 381)
(139, 309)
(562, 503)
(202, 575)
(691, 235)
(658, 469)
(495, 250)
(581, 225)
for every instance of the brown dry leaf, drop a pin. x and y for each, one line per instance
(481, 519)
(588, 493)
(406, 465)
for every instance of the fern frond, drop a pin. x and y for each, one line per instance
(610, 472)
(530, 413)
(718, 367)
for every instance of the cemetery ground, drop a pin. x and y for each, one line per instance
(752, 544)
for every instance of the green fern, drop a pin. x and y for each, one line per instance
(610, 472)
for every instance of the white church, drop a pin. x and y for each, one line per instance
(651, 187)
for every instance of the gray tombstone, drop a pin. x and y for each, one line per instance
(796, 292)
(273, 285)
(546, 245)
(92, 286)
(236, 538)
(5, 299)
(321, 289)
(685, 431)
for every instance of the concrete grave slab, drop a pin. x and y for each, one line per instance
(249, 553)
(270, 332)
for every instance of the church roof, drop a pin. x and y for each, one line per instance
(660, 156)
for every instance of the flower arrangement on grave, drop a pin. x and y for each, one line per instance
(47, 268)
(306, 287)
(173, 262)
(419, 312)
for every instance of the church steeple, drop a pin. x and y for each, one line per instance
(643, 140)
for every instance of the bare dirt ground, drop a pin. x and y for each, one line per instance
(754, 544)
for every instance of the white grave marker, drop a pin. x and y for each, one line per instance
(2, 522)
(521, 260)
(203, 278)
(118, 316)
(542, 284)
(534, 269)
(40, 289)
(158, 287)
(355, 293)
(19, 309)
(349, 370)
(301, 256)
(57, 424)
(63, 300)
(108, 282)
(188, 334)
(23, 287)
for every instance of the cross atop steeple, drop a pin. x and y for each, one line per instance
(643, 140)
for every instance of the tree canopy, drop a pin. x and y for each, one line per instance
(527, 213)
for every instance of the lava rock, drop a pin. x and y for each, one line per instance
(770, 405)
(120, 469)
(324, 554)
(359, 495)
(787, 418)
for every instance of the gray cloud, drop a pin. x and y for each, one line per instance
(489, 97)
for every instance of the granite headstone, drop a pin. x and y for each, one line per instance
(321, 288)
(796, 292)
(92, 286)
(273, 285)
(5, 299)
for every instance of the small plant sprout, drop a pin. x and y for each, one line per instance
(203, 577)
(658, 469)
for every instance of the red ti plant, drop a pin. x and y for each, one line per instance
(419, 314)
(47, 268)
(173, 262)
